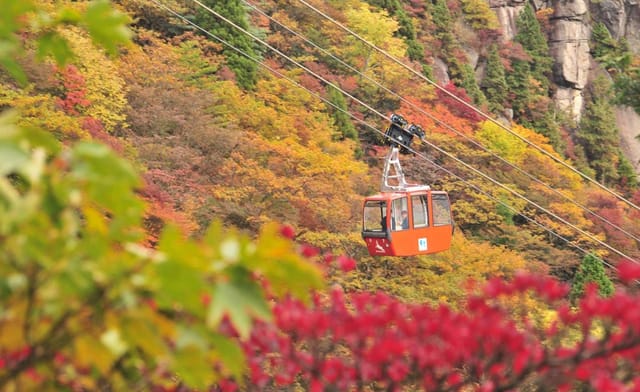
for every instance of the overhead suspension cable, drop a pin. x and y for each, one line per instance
(532, 220)
(470, 106)
(495, 182)
(445, 125)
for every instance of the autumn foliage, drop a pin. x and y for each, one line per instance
(183, 278)
(351, 341)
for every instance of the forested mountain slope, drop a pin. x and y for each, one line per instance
(258, 130)
(289, 133)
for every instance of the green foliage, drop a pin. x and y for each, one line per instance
(441, 16)
(78, 283)
(591, 270)
(612, 54)
(106, 26)
(528, 80)
(602, 43)
(618, 59)
(11, 20)
(626, 172)
(494, 84)
(340, 116)
(245, 69)
(469, 83)
(598, 132)
(70, 235)
(627, 87)
(530, 36)
(518, 81)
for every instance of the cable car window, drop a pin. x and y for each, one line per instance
(441, 210)
(375, 216)
(399, 215)
(420, 211)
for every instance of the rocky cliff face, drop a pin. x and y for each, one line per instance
(507, 12)
(569, 45)
(622, 18)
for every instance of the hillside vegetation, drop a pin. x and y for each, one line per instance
(219, 136)
(292, 135)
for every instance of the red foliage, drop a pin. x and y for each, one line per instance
(287, 231)
(311, 83)
(160, 210)
(226, 73)
(351, 342)
(97, 132)
(455, 106)
(348, 83)
(74, 90)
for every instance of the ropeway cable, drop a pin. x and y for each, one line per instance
(569, 242)
(541, 208)
(525, 140)
(447, 126)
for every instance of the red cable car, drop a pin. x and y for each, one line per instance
(405, 219)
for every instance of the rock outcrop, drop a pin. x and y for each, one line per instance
(569, 46)
(507, 12)
(628, 122)
(622, 18)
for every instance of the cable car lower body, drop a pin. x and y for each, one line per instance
(409, 242)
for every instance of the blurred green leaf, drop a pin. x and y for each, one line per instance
(53, 44)
(68, 15)
(194, 367)
(230, 355)
(11, 158)
(277, 260)
(181, 285)
(241, 298)
(107, 26)
(10, 17)
(12, 66)
(141, 332)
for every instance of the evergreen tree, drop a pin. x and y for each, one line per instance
(548, 126)
(591, 270)
(601, 41)
(626, 172)
(616, 57)
(444, 22)
(340, 116)
(598, 133)
(529, 81)
(627, 87)
(245, 69)
(468, 82)
(494, 84)
(519, 88)
(530, 36)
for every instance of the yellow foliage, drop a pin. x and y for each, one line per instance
(287, 166)
(379, 29)
(39, 111)
(501, 142)
(106, 90)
